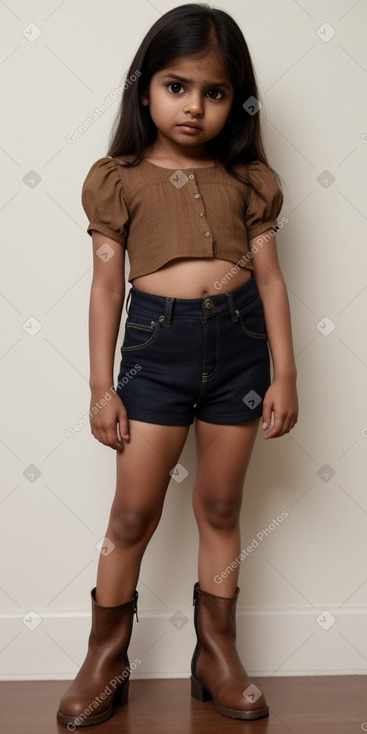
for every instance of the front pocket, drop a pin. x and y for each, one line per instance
(139, 335)
(252, 320)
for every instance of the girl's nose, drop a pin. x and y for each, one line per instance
(194, 105)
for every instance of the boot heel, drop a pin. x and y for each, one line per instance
(199, 692)
(122, 696)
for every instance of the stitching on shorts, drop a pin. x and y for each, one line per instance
(217, 350)
(142, 346)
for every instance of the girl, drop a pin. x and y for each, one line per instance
(187, 191)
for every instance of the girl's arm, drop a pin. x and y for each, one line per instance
(105, 308)
(281, 397)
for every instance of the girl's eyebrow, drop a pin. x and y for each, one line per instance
(189, 81)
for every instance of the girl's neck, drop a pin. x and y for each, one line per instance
(168, 160)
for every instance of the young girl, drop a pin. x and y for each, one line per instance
(186, 190)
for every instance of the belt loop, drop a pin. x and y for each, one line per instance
(168, 311)
(128, 301)
(234, 315)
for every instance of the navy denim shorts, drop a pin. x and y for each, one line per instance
(204, 357)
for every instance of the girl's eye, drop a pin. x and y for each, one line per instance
(177, 86)
(216, 92)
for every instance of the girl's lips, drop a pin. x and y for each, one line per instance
(190, 128)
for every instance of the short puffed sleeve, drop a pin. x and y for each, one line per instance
(264, 202)
(103, 201)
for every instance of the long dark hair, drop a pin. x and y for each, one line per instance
(191, 29)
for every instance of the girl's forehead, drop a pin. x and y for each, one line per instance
(211, 64)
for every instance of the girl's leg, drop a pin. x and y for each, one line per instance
(223, 454)
(217, 671)
(142, 478)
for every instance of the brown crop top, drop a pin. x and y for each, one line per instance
(159, 214)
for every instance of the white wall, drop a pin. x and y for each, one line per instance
(314, 95)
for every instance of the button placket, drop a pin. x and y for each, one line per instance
(206, 232)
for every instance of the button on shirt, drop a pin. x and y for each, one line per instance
(159, 214)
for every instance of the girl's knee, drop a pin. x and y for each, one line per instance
(219, 514)
(131, 526)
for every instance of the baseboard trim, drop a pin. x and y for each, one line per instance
(271, 642)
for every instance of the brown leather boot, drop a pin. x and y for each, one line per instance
(216, 669)
(103, 680)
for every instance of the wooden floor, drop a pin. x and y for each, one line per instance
(299, 705)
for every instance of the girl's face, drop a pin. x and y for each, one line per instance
(190, 100)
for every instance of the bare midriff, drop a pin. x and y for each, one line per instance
(190, 277)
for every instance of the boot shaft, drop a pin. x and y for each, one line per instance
(214, 614)
(111, 627)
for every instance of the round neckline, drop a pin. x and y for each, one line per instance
(190, 168)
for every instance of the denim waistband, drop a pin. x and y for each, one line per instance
(195, 308)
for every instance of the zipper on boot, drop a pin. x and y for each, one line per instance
(135, 609)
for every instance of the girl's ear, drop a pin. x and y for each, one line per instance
(144, 99)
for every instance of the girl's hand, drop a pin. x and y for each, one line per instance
(281, 399)
(109, 423)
